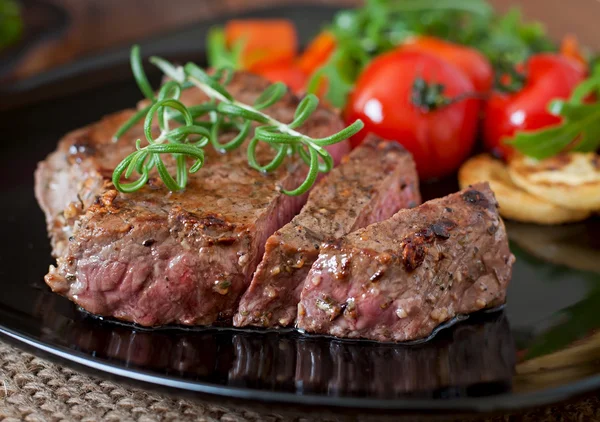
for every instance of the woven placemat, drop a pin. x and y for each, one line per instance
(34, 389)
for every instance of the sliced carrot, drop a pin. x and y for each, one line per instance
(286, 72)
(569, 47)
(265, 40)
(317, 52)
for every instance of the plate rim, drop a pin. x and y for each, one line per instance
(485, 404)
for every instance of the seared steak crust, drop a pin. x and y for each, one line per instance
(399, 279)
(154, 257)
(376, 180)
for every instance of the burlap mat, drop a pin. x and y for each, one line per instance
(34, 389)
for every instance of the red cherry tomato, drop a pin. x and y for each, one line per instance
(548, 76)
(473, 64)
(439, 140)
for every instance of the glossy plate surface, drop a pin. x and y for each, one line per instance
(543, 347)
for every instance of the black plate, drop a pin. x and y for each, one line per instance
(542, 348)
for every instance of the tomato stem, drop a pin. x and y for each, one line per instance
(430, 96)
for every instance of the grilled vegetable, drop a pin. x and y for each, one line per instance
(515, 203)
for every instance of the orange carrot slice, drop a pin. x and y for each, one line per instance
(264, 40)
(317, 52)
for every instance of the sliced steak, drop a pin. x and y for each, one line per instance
(399, 279)
(154, 257)
(376, 180)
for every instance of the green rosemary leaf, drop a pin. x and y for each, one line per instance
(179, 150)
(273, 164)
(122, 168)
(146, 163)
(269, 135)
(170, 90)
(190, 150)
(133, 164)
(180, 133)
(302, 152)
(182, 175)
(270, 96)
(311, 177)
(305, 109)
(245, 113)
(174, 104)
(204, 79)
(224, 75)
(175, 73)
(138, 73)
(235, 142)
(167, 179)
(223, 113)
(325, 162)
(345, 133)
(195, 111)
(139, 115)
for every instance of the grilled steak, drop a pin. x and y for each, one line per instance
(154, 257)
(376, 180)
(399, 279)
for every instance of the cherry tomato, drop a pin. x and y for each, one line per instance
(548, 76)
(473, 64)
(286, 72)
(439, 140)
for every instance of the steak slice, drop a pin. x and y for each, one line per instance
(375, 181)
(154, 257)
(399, 279)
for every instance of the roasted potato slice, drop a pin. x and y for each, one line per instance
(514, 202)
(570, 180)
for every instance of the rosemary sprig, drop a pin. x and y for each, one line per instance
(196, 126)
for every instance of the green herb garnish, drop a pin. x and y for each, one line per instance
(219, 54)
(11, 22)
(579, 129)
(198, 125)
(381, 25)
